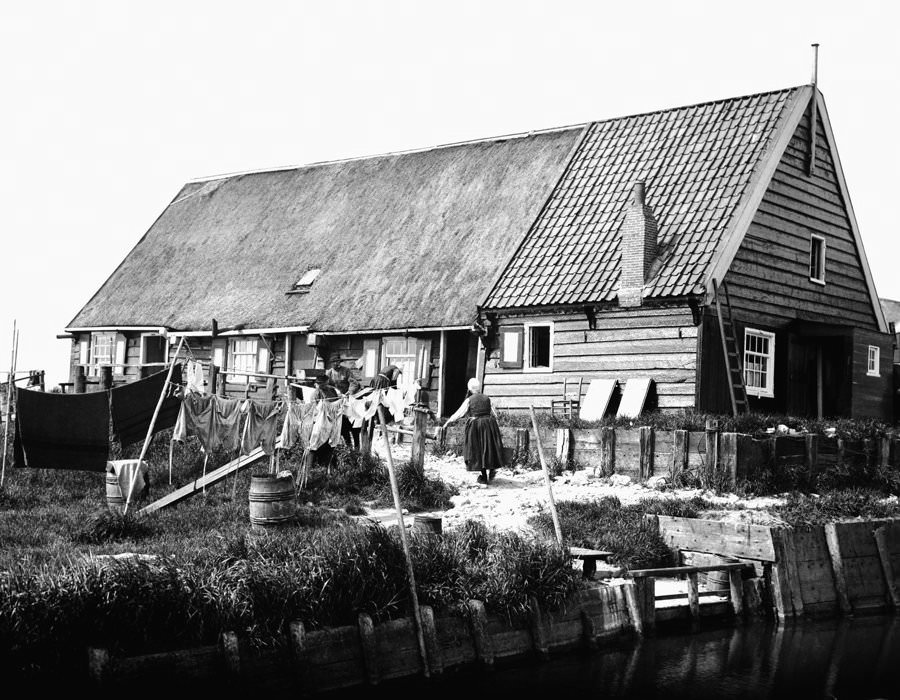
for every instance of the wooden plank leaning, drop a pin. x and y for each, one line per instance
(162, 396)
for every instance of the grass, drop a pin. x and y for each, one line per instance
(804, 509)
(607, 524)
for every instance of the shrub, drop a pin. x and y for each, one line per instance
(803, 509)
(608, 525)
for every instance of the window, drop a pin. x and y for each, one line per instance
(873, 368)
(511, 347)
(411, 355)
(538, 346)
(106, 349)
(246, 355)
(817, 259)
(306, 280)
(759, 363)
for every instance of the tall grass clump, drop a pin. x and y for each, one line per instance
(113, 526)
(257, 585)
(801, 509)
(608, 525)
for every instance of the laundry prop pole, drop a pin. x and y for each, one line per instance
(556, 526)
(162, 396)
(10, 382)
(395, 490)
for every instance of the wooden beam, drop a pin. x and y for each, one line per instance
(442, 373)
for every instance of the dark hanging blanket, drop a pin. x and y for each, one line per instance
(133, 405)
(61, 431)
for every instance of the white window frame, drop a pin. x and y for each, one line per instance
(254, 357)
(526, 347)
(767, 391)
(873, 363)
(96, 360)
(407, 361)
(817, 242)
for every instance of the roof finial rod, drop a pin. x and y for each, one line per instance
(815, 75)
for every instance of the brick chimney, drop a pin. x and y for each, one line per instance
(637, 247)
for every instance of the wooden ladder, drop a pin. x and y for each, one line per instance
(736, 387)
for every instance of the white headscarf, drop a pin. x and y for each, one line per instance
(473, 385)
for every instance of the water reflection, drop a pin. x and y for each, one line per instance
(840, 659)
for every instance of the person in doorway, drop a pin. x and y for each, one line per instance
(483, 451)
(339, 372)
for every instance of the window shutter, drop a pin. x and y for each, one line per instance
(121, 347)
(371, 349)
(262, 359)
(423, 361)
(511, 339)
(84, 352)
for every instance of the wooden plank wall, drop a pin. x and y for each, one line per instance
(647, 342)
(872, 396)
(769, 279)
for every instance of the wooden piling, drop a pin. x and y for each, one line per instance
(484, 649)
(213, 379)
(369, 648)
(80, 383)
(736, 586)
(887, 538)
(729, 451)
(564, 446)
(432, 645)
(693, 595)
(230, 646)
(106, 381)
(538, 630)
(607, 451)
(680, 452)
(417, 449)
(837, 564)
(521, 453)
(646, 453)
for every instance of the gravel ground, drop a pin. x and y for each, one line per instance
(515, 495)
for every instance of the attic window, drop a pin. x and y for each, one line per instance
(306, 280)
(817, 259)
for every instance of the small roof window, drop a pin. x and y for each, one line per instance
(306, 279)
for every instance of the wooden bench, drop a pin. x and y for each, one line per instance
(589, 558)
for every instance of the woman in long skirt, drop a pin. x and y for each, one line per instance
(483, 450)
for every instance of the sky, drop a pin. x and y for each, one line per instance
(108, 108)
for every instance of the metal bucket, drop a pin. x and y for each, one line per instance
(272, 501)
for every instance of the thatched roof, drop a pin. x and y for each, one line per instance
(403, 240)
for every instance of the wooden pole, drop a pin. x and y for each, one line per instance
(162, 396)
(540, 449)
(395, 490)
(9, 399)
(417, 449)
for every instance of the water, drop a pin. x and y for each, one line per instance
(836, 659)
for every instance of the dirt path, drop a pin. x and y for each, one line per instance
(516, 495)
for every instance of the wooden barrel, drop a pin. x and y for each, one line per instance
(272, 501)
(114, 498)
(428, 523)
(720, 580)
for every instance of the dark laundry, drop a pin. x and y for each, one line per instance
(214, 420)
(133, 404)
(61, 431)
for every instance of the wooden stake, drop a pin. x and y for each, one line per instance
(9, 399)
(540, 449)
(162, 396)
(395, 490)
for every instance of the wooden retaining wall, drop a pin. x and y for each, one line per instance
(843, 567)
(643, 452)
(366, 653)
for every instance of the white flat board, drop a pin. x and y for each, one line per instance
(633, 397)
(596, 400)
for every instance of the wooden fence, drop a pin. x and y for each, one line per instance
(643, 452)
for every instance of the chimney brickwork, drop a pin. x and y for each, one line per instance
(637, 250)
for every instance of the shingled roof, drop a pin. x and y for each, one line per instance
(698, 163)
(406, 240)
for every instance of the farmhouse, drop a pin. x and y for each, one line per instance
(607, 250)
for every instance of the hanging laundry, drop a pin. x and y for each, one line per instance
(298, 424)
(61, 431)
(195, 381)
(261, 425)
(395, 400)
(327, 425)
(134, 404)
(214, 420)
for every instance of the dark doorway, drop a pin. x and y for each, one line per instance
(817, 376)
(458, 367)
